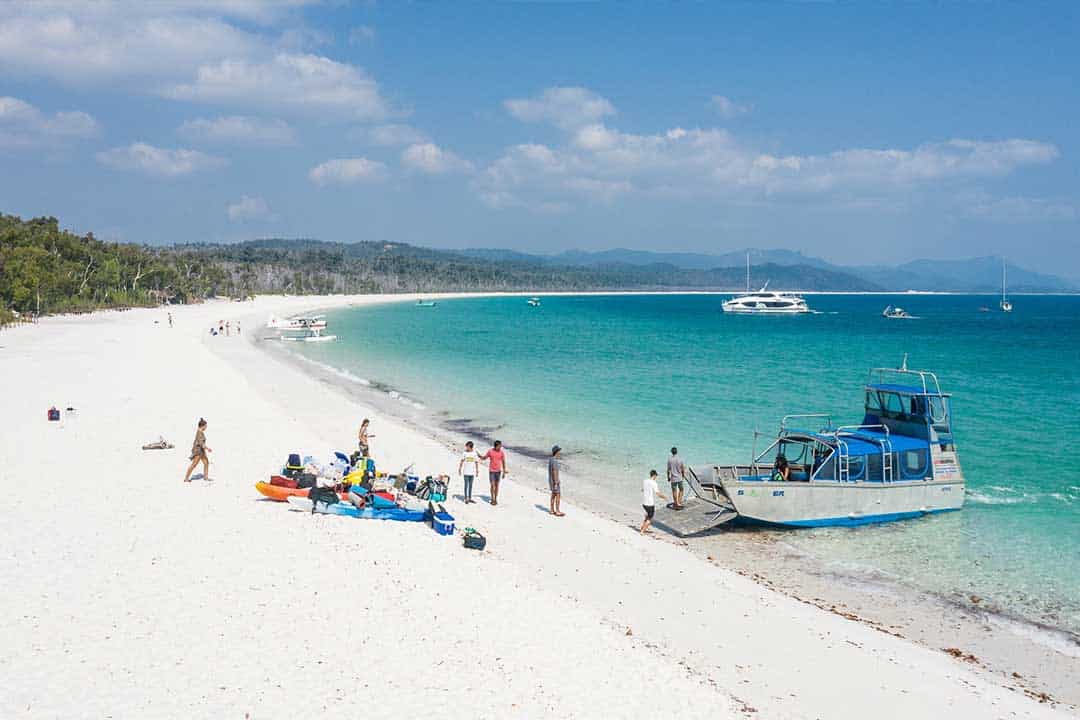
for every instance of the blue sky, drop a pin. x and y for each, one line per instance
(861, 134)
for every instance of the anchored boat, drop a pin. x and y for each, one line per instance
(899, 462)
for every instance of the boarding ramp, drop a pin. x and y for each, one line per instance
(704, 507)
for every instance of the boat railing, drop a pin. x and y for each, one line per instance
(927, 379)
(884, 442)
(806, 416)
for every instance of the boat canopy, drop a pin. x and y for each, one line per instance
(863, 442)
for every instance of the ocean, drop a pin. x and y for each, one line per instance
(618, 380)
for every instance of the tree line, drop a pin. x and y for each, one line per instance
(45, 269)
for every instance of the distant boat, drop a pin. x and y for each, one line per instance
(314, 335)
(534, 301)
(897, 313)
(1005, 305)
(764, 302)
(423, 303)
(314, 322)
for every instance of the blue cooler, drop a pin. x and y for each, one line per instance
(442, 522)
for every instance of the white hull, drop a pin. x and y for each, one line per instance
(742, 310)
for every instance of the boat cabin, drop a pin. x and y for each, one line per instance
(905, 426)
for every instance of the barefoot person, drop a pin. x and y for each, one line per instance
(554, 481)
(362, 438)
(199, 453)
(469, 467)
(676, 475)
(649, 492)
(496, 458)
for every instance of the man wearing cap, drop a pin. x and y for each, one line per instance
(554, 481)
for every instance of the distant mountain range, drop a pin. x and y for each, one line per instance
(975, 275)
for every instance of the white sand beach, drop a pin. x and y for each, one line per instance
(127, 593)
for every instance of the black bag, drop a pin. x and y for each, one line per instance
(325, 495)
(474, 540)
(305, 480)
(423, 491)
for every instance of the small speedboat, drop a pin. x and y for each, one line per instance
(425, 303)
(534, 301)
(897, 313)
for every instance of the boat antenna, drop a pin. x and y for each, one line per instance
(903, 365)
(747, 272)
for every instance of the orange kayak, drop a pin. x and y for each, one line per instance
(279, 493)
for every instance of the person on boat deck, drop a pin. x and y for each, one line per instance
(676, 475)
(781, 471)
(362, 438)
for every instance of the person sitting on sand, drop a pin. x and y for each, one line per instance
(496, 458)
(781, 471)
(649, 492)
(199, 452)
(554, 481)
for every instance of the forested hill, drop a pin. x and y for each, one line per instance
(44, 269)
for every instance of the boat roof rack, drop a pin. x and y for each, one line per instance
(927, 380)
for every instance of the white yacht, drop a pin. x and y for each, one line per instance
(764, 301)
(897, 313)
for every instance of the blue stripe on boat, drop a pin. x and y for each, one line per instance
(844, 521)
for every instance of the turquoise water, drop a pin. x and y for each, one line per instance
(617, 380)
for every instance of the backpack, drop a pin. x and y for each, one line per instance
(327, 496)
(474, 540)
(305, 480)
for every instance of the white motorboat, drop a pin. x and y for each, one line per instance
(899, 462)
(314, 322)
(534, 301)
(1005, 305)
(764, 301)
(897, 313)
(314, 335)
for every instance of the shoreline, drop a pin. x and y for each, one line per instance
(1016, 648)
(151, 597)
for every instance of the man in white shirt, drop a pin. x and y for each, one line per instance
(649, 492)
(468, 468)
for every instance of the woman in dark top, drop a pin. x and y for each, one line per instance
(199, 453)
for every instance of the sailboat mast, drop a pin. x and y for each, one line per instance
(1003, 280)
(747, 272)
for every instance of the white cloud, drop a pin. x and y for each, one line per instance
(343, 171)
(391, 135)
(599, 164)
(305, 84)
(249, 208)
(727, 108)
(564, 107)
(24, 126)
(162, 162)
(81, 43)
(361, 34)
(431, 159)
(239, 130)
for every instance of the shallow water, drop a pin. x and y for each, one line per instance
(617, 380)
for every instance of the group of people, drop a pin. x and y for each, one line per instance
(469, 469)
(650, 489)
(224, 327)
(495, 459)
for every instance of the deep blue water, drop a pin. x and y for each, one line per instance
(617, 380)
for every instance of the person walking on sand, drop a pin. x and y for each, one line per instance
(496, 458)
(554, 481)
(228, 329)
(676, 475)
(170, 319)
(469, 467)
(649, 492)
(199, 452)
(363, 438)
